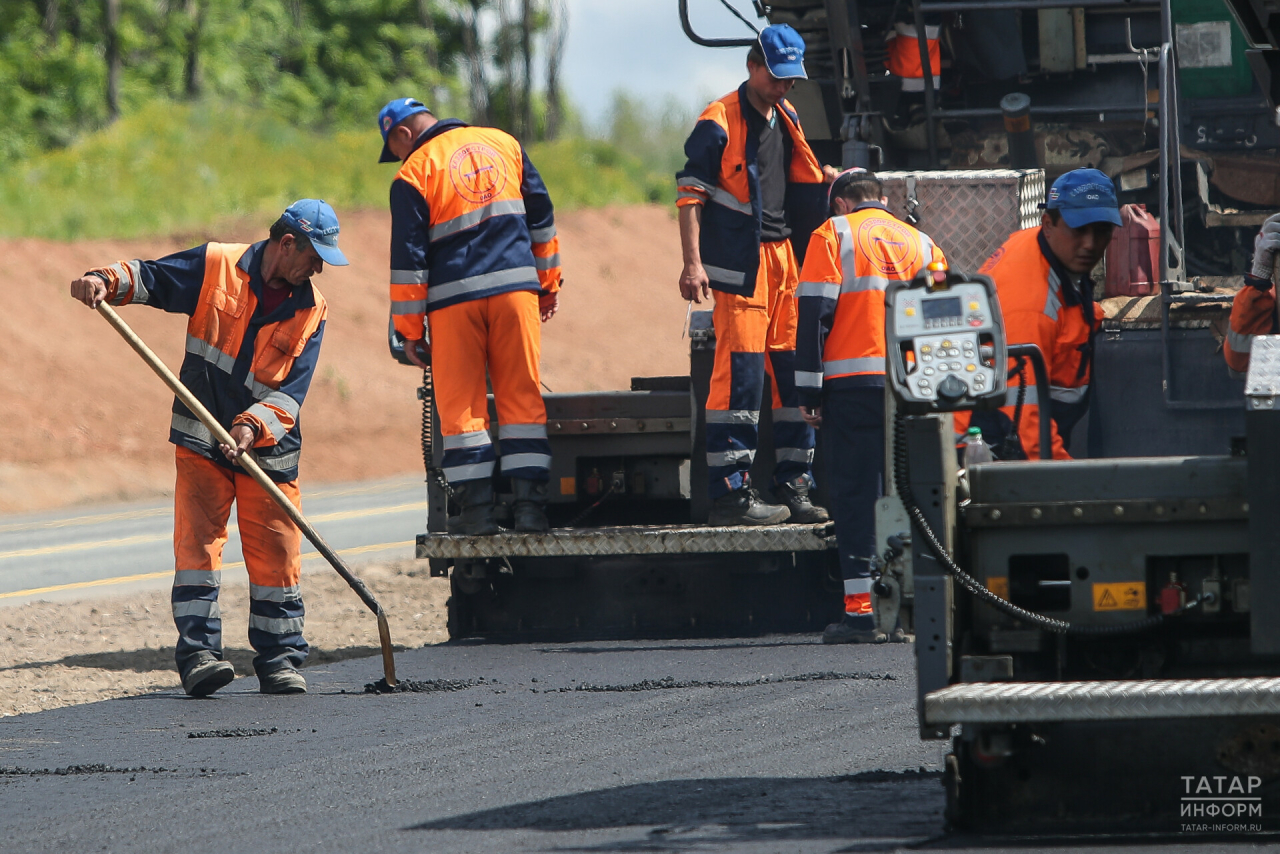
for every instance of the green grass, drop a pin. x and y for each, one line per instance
(172, 168)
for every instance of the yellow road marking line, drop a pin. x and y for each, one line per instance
(159, 538)
(149, 576)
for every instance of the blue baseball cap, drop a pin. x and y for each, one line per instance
(316, 219)
(783, 50)
(393, 114)
(1084, 196)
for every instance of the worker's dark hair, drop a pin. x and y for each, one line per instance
(857, 187)
(281, 227)
(1055, 215)
(756, 55)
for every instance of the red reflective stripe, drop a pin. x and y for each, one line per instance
(857, 603)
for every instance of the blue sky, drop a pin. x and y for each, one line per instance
(638, 45)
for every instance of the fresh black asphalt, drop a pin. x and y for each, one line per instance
(775, 744)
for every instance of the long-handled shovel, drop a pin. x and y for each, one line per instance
(250, 464)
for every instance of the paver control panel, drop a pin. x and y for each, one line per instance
(946, 342)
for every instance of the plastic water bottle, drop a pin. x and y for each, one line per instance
(975, 450)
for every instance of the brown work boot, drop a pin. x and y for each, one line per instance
(795, 495)
(530, 510)
(745, 507)
(853, 630)
(285, 680)
(204, 673)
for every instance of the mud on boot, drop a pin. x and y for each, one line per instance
(530, 507)
(795, 495)
(285, 680)
(745, 507)
(477, 518)
(204, 673)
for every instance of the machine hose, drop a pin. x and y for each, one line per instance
(902, 480)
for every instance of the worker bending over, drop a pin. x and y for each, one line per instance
(750, 190)
(252, 344)
(840, 357)
(474, 261)
(1046, 297)
(1253, 312)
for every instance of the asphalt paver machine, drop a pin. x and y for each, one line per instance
(1099, 638)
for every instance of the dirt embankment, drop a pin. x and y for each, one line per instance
(87, 422)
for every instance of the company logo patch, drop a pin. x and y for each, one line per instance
(386, 123)
(889, 245)
(477, 172)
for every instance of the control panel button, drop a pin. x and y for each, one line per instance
(971, 368)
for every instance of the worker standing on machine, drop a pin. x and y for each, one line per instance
(1046, 297)
(840, 363)
(252, 344)
(750, 190)
(475, 261)
(1253, 311)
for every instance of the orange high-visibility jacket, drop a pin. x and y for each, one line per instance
(721, 175)
(903, 45)
(850, 262)
(1253, 312)
(245, 368)
(1037, 310)
(470, 218)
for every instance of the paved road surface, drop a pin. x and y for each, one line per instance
(758, 758)
(70, 552)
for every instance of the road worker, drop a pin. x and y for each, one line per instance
(840, 360)
(475, 264)
(252, 343)
(1253, 312)
(749, 196)
(1046, 297)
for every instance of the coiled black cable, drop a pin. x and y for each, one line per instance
(902, 480)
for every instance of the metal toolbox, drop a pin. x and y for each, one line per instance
(968, 213)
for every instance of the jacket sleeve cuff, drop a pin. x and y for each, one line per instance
(1257, 282)
(262, 436)
(810, 398)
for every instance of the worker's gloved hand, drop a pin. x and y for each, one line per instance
(548, 305)
(1265, 246)
(244, 436)
(89, 289)
(419, 352)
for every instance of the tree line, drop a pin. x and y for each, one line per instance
(67, 68)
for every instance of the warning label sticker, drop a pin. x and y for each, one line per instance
(999, 585)
(1123, 596)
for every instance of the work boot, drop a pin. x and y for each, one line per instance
(530, 506)
(204, 673)
(795, 495)
(853, 630)
(477, 517)
(285, 680)
(745, 507)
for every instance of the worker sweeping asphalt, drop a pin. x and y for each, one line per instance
(252, 343)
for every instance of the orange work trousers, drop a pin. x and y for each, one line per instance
(270, 543)
(747, 330)
(502, 333)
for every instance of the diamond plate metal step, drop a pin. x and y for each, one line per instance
(632, 540)
(1015, 702)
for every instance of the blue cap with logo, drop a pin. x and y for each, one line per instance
(393, 114)
(783, 50)
(1084, 196)
(316, 219)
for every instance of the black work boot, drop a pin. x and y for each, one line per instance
(204, 673)
(744, 507)
(795, 495)
(853, 629)
(530, 508)
(477, 517)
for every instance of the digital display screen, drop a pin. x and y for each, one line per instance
(936, 308)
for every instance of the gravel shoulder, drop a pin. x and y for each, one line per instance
(55, 654)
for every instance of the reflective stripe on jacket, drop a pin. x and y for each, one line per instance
(246, 367)
(850, 262)
(722, 175)
(1037, 311)
(1253, 312)
(470, 218)
(903, 46)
